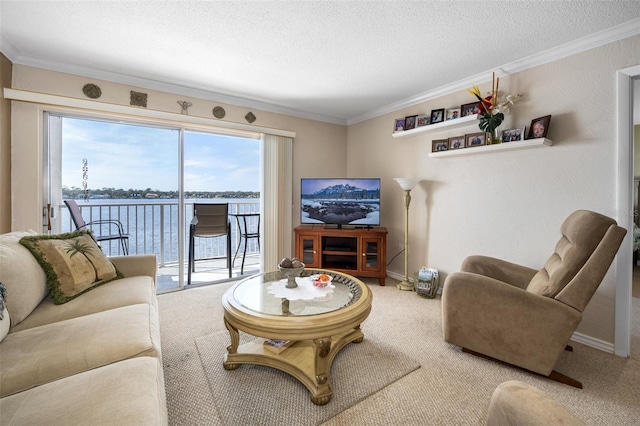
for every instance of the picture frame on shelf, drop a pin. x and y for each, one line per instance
(472, 108)
(539, 127)
(453, 113)
(410, 122)
(440, 145)
(456, 142)
(399, 125)
(475, 139)
(437, 115)
(513, 135)
(423, 120)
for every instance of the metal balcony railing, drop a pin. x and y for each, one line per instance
(153, 227)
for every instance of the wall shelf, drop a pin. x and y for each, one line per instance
(469, 121)
(528, 143)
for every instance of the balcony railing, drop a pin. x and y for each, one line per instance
(152, 227)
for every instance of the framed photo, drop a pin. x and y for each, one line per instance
(453, 113)
(456, 142)
(437, 115)
(410, 122)
(399, 125)
(539, 127)
(440, 145)
(513, 135)
(470, 109)
(475, 139)
(423, 120)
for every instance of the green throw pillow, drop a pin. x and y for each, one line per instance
(73, 263)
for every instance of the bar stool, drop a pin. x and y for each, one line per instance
(249, 228)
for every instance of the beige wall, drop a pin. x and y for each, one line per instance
(5, 147)
(316, 143)
(507, 204)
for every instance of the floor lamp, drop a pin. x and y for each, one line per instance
(407, 185)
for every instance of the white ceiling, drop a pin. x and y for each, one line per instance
(338, 61)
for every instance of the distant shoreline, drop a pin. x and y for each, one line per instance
(141, 194)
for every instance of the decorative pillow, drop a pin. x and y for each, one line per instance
(5, 321)
(21, 274)
(73, 263)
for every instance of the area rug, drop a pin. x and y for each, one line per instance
(258, 395)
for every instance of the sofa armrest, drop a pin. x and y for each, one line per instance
(505, 322)
(499, 269)
(517, 403)
(136, 265)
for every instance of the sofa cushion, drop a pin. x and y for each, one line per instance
(73, 263)
(129, 392)
(22, 276)
(115, 294)
(43, 354)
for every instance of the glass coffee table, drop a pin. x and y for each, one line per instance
(318, 322)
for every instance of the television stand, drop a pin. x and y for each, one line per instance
(361, 252)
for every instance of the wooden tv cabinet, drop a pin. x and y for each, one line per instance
(359, 252)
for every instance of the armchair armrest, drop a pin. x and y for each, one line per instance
(137, 265)
(499, 269)
(505, 322)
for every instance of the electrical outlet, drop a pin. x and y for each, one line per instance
(400, 246)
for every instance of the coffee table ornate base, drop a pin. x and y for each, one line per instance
(320, 326)
(309, 361)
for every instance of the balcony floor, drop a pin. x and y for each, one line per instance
(210, 271)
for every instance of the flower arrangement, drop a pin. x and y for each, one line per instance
(491, 110)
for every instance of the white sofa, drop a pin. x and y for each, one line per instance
(93, 360)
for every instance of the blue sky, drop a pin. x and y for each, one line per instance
(138, 157)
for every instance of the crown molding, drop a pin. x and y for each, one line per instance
(601, 38)
(177, 87)
(8, 49)
(619, 32)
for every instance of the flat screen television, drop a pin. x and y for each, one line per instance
(340, 201)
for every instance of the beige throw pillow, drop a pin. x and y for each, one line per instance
(73, 263)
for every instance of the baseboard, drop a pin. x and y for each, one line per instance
(397, 276)
(593, 342)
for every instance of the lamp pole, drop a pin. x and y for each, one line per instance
(407, 185)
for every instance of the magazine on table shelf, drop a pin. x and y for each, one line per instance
(276, 346)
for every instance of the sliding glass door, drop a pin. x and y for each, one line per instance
(222, 169)
(147, 177)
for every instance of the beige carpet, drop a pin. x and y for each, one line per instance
(450, 387)
(274, 397)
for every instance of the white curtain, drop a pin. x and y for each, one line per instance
(276, 200)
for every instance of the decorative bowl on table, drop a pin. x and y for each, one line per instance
(291, 268)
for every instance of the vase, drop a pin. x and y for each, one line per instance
(493, 137)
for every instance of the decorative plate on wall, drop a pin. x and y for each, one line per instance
(91, 91)
(219, 112)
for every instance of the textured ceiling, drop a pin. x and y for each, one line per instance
(337, 60)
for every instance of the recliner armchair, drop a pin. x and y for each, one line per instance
(525, 317)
